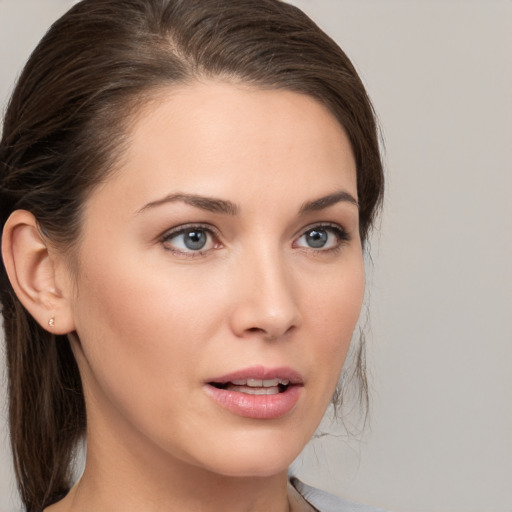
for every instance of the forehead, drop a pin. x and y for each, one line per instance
(230, 139)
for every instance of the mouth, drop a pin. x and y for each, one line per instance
(254, 386)
(257, 392)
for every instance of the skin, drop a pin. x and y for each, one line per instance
(154, 320)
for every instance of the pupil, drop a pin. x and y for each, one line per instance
(316, 238)
(195, 240)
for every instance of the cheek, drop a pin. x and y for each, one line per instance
(137, 319)
(120, 324)
(333, 313)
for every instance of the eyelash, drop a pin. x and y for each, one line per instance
(340, 233)
(342, 237)
(173, 233)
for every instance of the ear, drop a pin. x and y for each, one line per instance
(32, 273)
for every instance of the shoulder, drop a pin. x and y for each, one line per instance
(326, 502)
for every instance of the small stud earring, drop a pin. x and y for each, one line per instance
(51, 322)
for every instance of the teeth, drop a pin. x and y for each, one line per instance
(255, 391)
(259, 383)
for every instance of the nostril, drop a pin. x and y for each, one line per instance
(269, 334)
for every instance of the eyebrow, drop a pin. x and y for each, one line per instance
(209, 204)
(223, 206)
(329, 200)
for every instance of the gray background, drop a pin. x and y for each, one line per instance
(440, 344)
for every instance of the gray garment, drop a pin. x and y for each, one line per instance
(325, 502)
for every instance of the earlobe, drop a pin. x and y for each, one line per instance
(32, 273)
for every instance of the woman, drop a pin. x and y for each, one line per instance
(187, 187)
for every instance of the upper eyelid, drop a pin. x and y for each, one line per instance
(191, 225)
(326, 224)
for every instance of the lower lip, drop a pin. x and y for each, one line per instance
(261, 407)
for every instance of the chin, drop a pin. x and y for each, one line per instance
(261, 455)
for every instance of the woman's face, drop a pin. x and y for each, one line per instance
(220, 278)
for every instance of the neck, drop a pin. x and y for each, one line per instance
(126, 474)
(188, 492)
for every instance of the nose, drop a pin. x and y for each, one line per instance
(266, 298)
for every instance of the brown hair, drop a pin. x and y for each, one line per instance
(65, 127)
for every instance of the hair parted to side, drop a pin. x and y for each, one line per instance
(65, 129)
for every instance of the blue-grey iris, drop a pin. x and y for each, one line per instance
(194, 240)
(316, 238)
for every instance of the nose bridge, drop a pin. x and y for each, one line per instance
(267, 301)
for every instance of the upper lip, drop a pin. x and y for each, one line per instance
(260, 372)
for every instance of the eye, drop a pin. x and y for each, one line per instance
(323, 237)
(189, 239)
